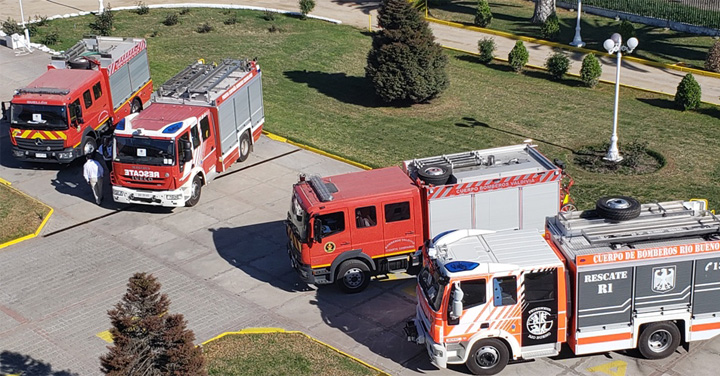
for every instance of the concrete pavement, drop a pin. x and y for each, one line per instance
(361, 13)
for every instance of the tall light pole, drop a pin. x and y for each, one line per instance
(614, 46)
(577, 41)
(27, 33)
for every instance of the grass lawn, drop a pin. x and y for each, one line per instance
(315, 93)
(277, 354)
(513, 16)
(19, 214)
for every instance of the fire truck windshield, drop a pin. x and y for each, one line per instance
(144, 150)
(431, 287)
(37, 116)
(298, 218)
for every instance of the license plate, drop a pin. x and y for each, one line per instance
(143, 195)
(40, 155)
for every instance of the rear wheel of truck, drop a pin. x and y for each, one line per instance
(196, 189)
(353, 276)
(617, 208)
(89, 145)
(244, 147)
(488, 357)
(435, 175)
(659, 340)
(135, 106)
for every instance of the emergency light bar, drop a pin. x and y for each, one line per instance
(320, 189)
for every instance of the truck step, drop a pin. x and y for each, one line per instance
(539, 353)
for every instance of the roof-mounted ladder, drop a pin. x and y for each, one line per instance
(458, 160)
(199, 78)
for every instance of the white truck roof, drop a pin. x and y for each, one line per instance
(493, 251)
(110, 49)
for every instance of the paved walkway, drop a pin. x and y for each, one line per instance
(360, 13)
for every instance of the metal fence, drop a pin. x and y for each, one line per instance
(704, 13)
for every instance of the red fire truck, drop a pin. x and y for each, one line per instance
(200, 122)
(84, 93)
(622, 276)
(349, 227)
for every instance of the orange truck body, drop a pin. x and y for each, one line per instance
(85, 92)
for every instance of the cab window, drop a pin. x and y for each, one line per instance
(97, 91)
(75, 111)
(504, 291)
(87, 97)
(365, 217)
(195, 137)
(332, 223)
(205, 127)
(474, 293)
(397, 212)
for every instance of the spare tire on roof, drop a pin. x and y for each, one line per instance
(617, 208)
(435, 174)
(79, 63)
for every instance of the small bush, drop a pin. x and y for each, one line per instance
(483, 16)
(550, 29)
(590, 71)
(41, 20)
(518, 56)
(269, 15)
(184, 11)
(273, 29)
(171, 19)
(627, 30)
(306, 6)
(51, 38)
(154, 34)
(204, 28)
(486, 46)
(688, 93)
(557, 64)
(712, 63)
(11, 27)
(232, 20)
(103, 23)
(142, 8)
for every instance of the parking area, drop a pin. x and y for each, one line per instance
(223, 264)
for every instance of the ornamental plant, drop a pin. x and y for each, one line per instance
(483, 16)
(590, 71)
(518, 56)
(306, 6)
(557, 64)
(550, 29)
(688, 93)
(486, 47)
(712, 63)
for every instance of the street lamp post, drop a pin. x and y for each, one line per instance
(577, 41)
(27, 33)
(614, 46)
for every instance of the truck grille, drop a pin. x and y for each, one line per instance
(38, 144)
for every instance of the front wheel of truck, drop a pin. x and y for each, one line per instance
(659, 340)
(353, 276)
(196, 189)
(89, 145)
(488, 357)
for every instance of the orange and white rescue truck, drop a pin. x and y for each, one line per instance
(199, 123)
(622, 276)
(85, 92)
(349, 227)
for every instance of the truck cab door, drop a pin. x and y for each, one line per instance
(472, 314)
(331, 232)
(208, 155)
(400, 232)
(367, 231)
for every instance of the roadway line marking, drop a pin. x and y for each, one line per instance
(616, 368)
(105, 336)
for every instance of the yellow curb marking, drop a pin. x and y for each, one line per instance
(616, 368)
(3, 181)
(42, 224)
(314, 150)
(280, 330)
(105, 336)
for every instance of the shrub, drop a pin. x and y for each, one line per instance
(712, 63)
(232, 20)
(550, 29)
(103, 23)
(590, 71)
(184, 11)
(688, 93)
(557, 64)
(518, 56)
(142, 8)
(51, 38)
(269, 15)
(11, 27)
(273, 29)
(306, 6)
(171, 19)
(627, 30)
(41, 20)
(483, 16)
(204, 28)
(486, 46)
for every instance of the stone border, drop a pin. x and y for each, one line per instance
(42, 224)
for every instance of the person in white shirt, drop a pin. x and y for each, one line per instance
(93, 173)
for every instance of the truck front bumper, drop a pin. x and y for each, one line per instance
(417, 333)
(317, 276)
(66, 155)
(173, 199)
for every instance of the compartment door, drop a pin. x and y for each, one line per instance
(540, 311)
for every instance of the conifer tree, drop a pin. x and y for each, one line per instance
(405, 64)
(147, 339)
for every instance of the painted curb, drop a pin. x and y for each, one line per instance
(571, 48)
(577, 75)
(275, 137)
(280, 330)
(42, 224)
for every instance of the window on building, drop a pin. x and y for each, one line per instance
(397, 212)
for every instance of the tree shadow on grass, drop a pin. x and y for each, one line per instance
(470, 122)
(365, 6)
(495, 64)
(713, 111)
(547, 76)
(340, 86)
(659, 103)
(12, 363)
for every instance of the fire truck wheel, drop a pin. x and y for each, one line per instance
(136, 106)
(195, 193)
(488, 357)
(617, 208)
(659, 340)
(89, 145)
(435, 175)
(79, 63)
(353, 276)
(244, 147)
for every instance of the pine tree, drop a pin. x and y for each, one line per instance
(688, 93)
(483, 15)
(590, 71)
(405, 63)
(147, 340)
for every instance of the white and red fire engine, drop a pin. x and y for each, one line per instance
(349, 227)
(622, 276)
(200, 122)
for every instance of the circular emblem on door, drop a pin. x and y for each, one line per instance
(539, 323)
(329, 247)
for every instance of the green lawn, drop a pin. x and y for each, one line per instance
(277, 354)
(315, 93)
(513, 16)
(19, 215)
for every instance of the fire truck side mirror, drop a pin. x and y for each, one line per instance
(4, 111)
(456, 305)
(317, 230)
(187, 151)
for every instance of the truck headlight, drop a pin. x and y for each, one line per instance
(18, 153)
(173, 196)
(118, 193)
(65, 155)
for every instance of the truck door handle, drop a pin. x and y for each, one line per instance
(485, 325)
(409, 232)
(344, 243)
